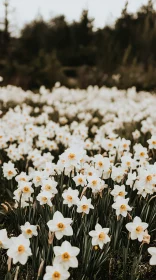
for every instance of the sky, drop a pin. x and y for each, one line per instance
(104, 11)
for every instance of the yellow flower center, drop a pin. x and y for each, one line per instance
(125, 145)
(100, 163)
(1, 243)
(38, 179)
(69, 198)
(128, 163)
(29, 231)
(61, 226)
(65, 256)
(80, 180)
(71, 156)
(121, 193)
(123, 207)
(102, 236)
(22, 179)
(44, 199)
(154, 142)
(142, 154)
(26, 189)
(56, 275)
(21, 249)
(149, 178)
(84, 207)
(139, 229)
(94, 182)
(10, 172)
(48, 187)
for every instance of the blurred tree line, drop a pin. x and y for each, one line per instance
(122, 55)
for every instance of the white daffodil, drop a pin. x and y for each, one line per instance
(66, 255)
(60, 225)
(95, 183)
(56, 272)
(26, 189)
(152, 142)
(70, 197)
(99, 236)
(19, 250)
(136, 134)
(137, 229)
(49, 185)
(117, 174)
(118, 191)
(140, 152)
(22, 177)
(72, 157)
(44, 197)
(121, 206)
(101, 163)
(29, 230)
(80, 180)
(38, 177)
(84, 205)
(152, 251)
(9, 170)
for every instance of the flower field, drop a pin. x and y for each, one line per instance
(78, 184)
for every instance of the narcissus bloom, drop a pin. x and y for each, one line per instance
(60, 225)
(118, 191)
(22, 177)
(44, 197)
(29, 230)
(121, 206)
(152, 142)
(70, 197)
(99, 236)
(26, 189)
(9, 170)
(19, 250)
(137, 229)
(101, 163)
(84, 205)
(117, 174)
(49, 185)
(4, 240)
(38, 178)
(66, 255)
(80, 180)
(95, 183)
(56, 272)
(72, 157)
(152, 251)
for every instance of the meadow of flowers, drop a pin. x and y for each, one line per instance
(78, 183)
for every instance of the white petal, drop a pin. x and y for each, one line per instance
(133, 235)
(153, 260)
(73, 262)
(58, 234)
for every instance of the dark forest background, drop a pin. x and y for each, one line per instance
(122, 55)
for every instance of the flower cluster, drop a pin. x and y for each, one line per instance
(78, 177)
